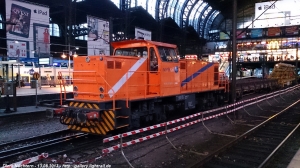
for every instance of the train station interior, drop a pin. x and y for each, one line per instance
(246, 48)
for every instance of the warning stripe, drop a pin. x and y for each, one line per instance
(84, 105)
(106, 124)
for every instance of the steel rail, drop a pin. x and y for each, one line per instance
(242, 137)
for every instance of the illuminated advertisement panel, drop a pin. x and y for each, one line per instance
(29, 30)
(98, 36)
(291, 30)
(256, 33)
(280, 13)
(224, 36)
(240, 34)
(274, 31)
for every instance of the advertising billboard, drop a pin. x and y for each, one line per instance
(241, 34)
(281, 13)
(98, 36)
(291, 30)
(142, 34)
(274, 31)
(29, 30)
(224, 36)
(256, 33)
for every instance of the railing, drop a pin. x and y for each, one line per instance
(98, 83)
(62, 84)
(223, 79)
(145, 84)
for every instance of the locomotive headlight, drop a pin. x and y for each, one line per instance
(75, 88)
(75, 94)
(101, 58)
(101, 96)
(101, 89)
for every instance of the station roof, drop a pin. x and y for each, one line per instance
(203, 15)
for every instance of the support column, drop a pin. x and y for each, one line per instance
(296, 70)
(234, 48)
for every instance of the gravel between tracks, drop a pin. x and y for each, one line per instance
(193, 141)
(28, 128)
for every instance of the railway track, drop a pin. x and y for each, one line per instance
(32, 140)
(18, 150)
(256, 147)
(53, 147)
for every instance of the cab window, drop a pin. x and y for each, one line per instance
(167, 54)
(133, 51)
(153, 60)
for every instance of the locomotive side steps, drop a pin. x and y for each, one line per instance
(122, 115)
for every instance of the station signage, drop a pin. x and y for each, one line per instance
(142, 34)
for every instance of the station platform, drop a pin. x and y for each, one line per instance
(27, 90)
(23, 110)
(26, 97)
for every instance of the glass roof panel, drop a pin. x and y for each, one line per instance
(116, 2)
(142, 3)
(151, 7)
(178, 11)
(194, 11)
(171, 6)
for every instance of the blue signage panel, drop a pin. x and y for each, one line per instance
(255, 33)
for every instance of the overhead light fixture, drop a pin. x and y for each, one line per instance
(63, 55)
(75, 55)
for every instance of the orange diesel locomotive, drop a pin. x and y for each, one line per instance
(142, 81)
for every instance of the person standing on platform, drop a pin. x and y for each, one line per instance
(48, 79)
(17, 77)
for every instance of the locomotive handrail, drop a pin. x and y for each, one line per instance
(97, 74)
(145, 73)
(61, 82)
(225, 80)
(114, 102)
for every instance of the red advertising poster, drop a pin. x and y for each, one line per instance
(274, 31)
(292, 30)
(240, 34)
